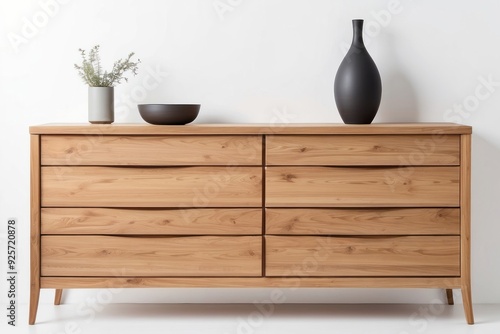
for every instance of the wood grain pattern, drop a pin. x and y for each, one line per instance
(348, 150)
(370, 256)
(34, 227)
(151, 256)
(249, 129)
(151, 187)
(465, 205)
(151, 150)
(362, 186)
(392, 210)
(375, 221)
(151, 221)
(249, 282)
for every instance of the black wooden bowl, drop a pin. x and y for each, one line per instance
(169, 114)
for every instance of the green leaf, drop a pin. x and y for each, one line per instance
(92, 73)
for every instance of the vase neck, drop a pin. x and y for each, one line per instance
(357, 34)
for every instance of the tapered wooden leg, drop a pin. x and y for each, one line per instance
(34, 296)
(465, 233)
(467, 301)
(57, 299)
(449, 296)
(35, 227)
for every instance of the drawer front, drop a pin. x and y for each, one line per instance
(151, 221)
(369, 256)
(151, 187)
(362, 186)
(151, 256)
(151, 150)
(348, 150)
(425, 221)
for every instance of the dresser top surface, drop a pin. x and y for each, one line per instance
(252, 128)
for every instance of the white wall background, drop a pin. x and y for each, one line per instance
(256, 61)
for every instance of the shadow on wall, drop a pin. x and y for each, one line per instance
(216, 116)
(247, 313)
(399, 100)
(484, 222)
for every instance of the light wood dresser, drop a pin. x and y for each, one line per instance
(241, 205)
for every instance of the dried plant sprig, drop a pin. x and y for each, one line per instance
(92, 73)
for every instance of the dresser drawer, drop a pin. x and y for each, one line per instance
(367, 256)
(151, 256)
(151, 221)
(366, 150)
(376, 221)
(151, 187)
(151, 150)
(362, 186)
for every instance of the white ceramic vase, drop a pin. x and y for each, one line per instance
(101, 105)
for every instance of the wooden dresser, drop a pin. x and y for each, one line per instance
(307, 205)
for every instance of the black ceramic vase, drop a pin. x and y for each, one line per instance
(358, 88)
